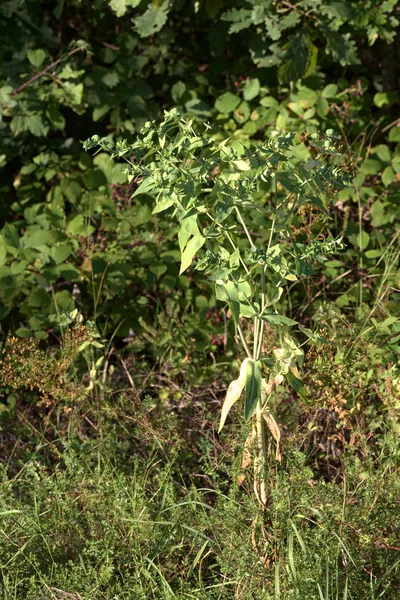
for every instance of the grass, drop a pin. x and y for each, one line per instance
(136, 511)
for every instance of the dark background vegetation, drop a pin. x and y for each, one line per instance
(115, 484)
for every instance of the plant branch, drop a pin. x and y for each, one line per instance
(39, 75)
(245, 344)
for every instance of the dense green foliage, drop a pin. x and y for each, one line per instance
(105, 497)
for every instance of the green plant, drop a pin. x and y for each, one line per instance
(236, 202)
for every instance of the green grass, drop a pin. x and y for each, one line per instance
(123, 515)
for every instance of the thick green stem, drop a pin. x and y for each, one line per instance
(262, 305)
(255, 337)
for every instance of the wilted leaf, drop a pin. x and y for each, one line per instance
(276, 433)
(233, 394)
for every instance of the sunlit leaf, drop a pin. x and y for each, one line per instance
(233, 394)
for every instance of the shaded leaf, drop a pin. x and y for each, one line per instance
(252, 387)
(294, 380)
(276, 319)
(300, 58)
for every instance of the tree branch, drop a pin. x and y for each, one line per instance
(39, 75)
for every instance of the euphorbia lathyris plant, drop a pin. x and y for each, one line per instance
(215, 189)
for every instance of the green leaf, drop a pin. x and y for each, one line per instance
(385, 99)
(276, 319)
(342, 49)
(233, 300)
(371, 166)
(177, 91)
(213, 8)
(251, 89)
(233, 393)
(322, 107)
(3, 251)
(145, 187)
(294, 380)
(330, 90)
(193, 245)
(394, 134)
(32, 123)
(78, 226)
(383, 152)
(252, 387)
(36, 57)
(388, 176)
(227, 103)
(37, 239)
(396, 163)
(23, 332)
(301, 152)
(60, 253)
(10, 236)
(110, 79)
(300, 58)
(242, 113)
(163, 204)
(121, 6)
(152, 20)
(5, 92)
(361, 240)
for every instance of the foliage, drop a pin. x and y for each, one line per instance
(111, 519)
(23, 364)
(213, 188)
(92, 79)
(74, 240)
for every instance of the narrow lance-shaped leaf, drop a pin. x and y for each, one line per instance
(233, 302)
(233, 393)
(294, 380)
(276, 319)
(252, 387)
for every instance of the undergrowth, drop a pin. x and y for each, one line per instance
(132, 507)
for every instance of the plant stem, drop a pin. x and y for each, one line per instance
(245, 345)
(263, 303)
(46, 70)
(244, 226)
(232, 243)
(256, 337)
